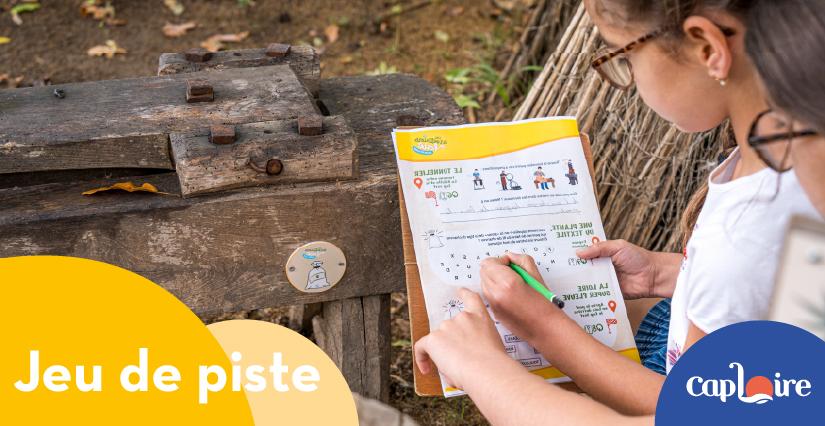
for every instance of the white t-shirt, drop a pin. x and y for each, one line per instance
(729, 268)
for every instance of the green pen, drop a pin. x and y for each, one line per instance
(539, 287)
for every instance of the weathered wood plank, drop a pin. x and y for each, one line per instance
(204, 167)
(225, 252)
(343, 95)
(304, 60)
(222, 253)
(355, 334)
(377, 336)
(373, 105)
(124, 123)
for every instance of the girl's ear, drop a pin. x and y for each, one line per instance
(709, 46)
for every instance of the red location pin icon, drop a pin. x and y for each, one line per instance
(418, 182)
(612, 305)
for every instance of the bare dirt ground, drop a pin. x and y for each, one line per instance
(50, 46)
(52, 42)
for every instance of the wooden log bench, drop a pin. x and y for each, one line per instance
(220, 238)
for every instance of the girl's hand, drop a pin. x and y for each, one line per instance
(636, 268)
(462, 346)
(520, 308)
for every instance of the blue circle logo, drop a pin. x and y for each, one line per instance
(751, 373)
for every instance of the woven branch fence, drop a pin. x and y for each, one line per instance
(543, 29)
(647, 170)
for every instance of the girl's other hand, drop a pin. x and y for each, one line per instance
(520, 308)
(635, 266)
(463, 345)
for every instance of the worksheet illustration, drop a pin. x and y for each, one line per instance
(476, 191)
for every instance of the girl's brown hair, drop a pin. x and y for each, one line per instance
(788, 51)
(670, 15)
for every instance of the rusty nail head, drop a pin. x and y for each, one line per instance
(278, 49)
(274, 167)
(197, 54)
(222, 135)
(310, 125)
(198, 87)
(409, 120)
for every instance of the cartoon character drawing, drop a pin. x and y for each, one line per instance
(571, 173)
(514, 186)
(541, 180)
(503, 178)
(452, 308)
(478, 183)
(433, 238)
(317, 276)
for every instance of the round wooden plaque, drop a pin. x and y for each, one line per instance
(316, 267)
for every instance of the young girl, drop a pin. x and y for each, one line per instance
(690, 65)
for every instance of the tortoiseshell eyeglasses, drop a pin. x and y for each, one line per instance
(614, 65)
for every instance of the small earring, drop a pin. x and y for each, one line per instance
(722, 81)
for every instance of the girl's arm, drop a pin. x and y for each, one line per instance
(607, 376)
(468, 351)
(509, 395)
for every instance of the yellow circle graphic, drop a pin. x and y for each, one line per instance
(266, 344)
(88, 343)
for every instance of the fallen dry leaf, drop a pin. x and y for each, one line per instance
(109, 50)
(216, 42)
(96, 11)
(126, 186)
(104, 13)
(11, 81)
(175, 6)
(177, 30)
(332, 33)
(4, 40)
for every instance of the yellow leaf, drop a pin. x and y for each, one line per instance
(4, 40)
(177, 30)
(109, 50)
(216, 42)
(128, 187)
(174, 6)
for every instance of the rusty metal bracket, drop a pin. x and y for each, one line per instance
(310, 125)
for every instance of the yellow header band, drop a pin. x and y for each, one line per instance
(472, 142)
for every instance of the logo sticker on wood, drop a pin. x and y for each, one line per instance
(316, 267)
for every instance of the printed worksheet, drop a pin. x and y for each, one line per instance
(476, 191)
